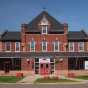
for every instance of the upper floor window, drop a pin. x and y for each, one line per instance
(44, 24)
(81, 46)
(56, 46)
(71, 46)
(44, 46)
(32, 46)
(8, 46)
(17, 46)
(44, 29)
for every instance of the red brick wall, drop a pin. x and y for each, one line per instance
(0, 46)
(61, 65)
(12, 46)
(76, 46)
(26, 65)
(86, 46)
(26, 38)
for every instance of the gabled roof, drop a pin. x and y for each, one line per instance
(77, 35)
(11, 36)
(55, 25)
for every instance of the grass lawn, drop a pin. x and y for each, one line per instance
(52, 80)
(9, 79)
(82, 77)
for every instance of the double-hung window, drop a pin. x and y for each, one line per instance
(71, 46)
(44, 29)
(32, 46)
(8, 46)
(17, 46)
(81, 46)
(44, 46)
(56, 46)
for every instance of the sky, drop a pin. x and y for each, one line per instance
(13, 13)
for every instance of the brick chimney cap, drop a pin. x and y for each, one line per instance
(65, 24)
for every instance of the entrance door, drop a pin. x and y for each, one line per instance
(44, 68)
(6, 66)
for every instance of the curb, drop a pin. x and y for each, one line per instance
(64, 83)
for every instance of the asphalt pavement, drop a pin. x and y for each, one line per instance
(44, 85)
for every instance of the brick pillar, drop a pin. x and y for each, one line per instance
(25, 65)
(61, 65)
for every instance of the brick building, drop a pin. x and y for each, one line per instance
(44, 46)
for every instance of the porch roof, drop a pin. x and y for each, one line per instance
(42, 54)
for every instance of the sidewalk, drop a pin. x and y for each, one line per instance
(29, 79)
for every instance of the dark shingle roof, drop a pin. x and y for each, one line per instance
(77, 35)
(11, 36)
(55, 25)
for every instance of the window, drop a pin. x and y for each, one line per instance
(41, 65)
(17, 64)
(17, 46)
(44, 46)
(8, 46)
(32, 46)
(44, 29)
(81, 46)
(47, 66)
(56, 46)
(71, 46)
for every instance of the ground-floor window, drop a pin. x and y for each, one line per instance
(17, 64)
(76, 63)
(10, 64)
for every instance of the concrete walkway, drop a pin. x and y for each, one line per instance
(29, 79)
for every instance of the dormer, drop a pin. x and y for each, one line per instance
(44, 23)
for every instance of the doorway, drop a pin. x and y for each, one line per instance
(44, 68)
(7, 66)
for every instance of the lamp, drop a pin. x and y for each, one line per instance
(61, 59)
(28, 61)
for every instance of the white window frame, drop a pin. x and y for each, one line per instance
(31, 45)
(70, 45)
(42, 46)
(58, 46)
(44, 29)
(79, 46)
(19, 47)
(6, 47)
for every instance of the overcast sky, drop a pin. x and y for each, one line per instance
(15, 12)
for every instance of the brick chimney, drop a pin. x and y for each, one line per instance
(65, 28)
(24, 27)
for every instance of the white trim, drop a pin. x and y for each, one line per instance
(6, 47)
(42, 46)
(34, 47)
(19, 47)
(72, 46)
(79, 46)
(54, 65)
(58, 46)
(11, 57)
(44, 21)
